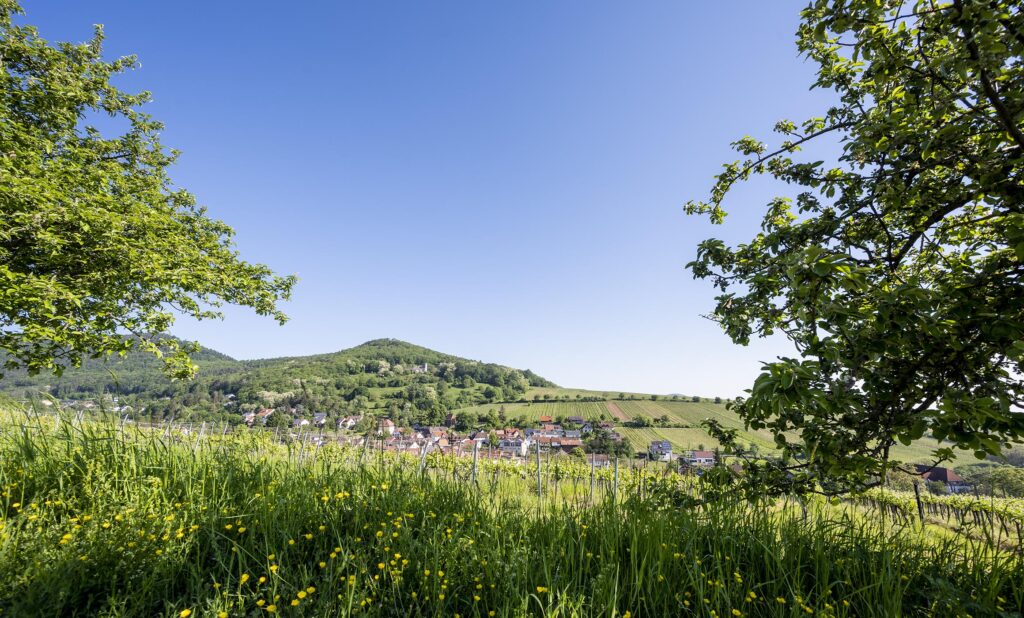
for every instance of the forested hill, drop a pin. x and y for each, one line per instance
(113, 375)
(403, 379)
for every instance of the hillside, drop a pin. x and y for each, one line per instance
(136, 373)
(409, 383)
(384, 375)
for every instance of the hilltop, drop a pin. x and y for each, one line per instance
(385, 375)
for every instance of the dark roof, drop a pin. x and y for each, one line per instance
(942, 475)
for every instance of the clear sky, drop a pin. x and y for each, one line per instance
(497, 180)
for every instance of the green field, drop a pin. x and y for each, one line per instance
(681, 413)
(691, 438)
(593, 411)
(681, 439)
(99, 519)
(558, 391)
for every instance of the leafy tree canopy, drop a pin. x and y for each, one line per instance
(895, 268)
(97, 246)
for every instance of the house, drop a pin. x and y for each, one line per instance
(660, 450)
(586, 428)
(249, 418)
(546, 441)
(319, 419)
(606, 425)
(515, 446)
(348, 422)
(954, 483)
(263, 415)
(465, 446)
(576, 420)
(387, 427)
(570, 444)
(557, 442)
(545, 419)
(572, 433)
(701, 458)
(300, 422)
(548, 427)
(599, 461)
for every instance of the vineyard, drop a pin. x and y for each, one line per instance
(999, 520)
(682, 439)
(206, 523)
(531, 412)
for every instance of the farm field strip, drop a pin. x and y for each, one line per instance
(592, 411)
(616, 411)
(680, 412)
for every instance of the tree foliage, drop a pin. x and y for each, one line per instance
(97, 246)
(895, 268)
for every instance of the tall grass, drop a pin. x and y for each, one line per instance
(102, 519)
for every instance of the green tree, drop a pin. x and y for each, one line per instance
(365, 425)
(279, 419)
(97, 247)
(896, 271)
(466, 421)
(1008, 480)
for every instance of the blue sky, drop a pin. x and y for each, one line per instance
(501, 181)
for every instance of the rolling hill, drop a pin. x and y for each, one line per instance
(409, 383)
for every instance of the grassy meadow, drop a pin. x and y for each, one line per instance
(103, 519)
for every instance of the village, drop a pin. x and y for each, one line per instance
(596, 442)
(558, 437)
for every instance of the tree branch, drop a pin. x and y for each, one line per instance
(986, 83)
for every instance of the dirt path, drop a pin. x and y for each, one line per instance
(616, 411)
